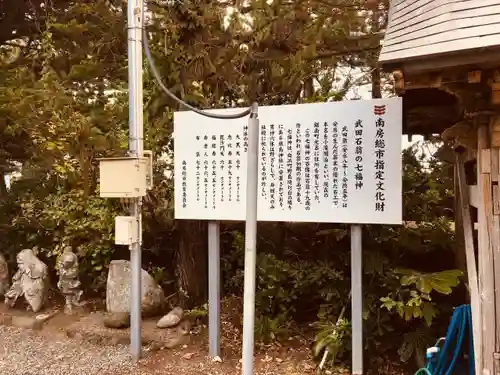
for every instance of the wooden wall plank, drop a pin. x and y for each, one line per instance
(448, 29)
(496, 265)
(485, 253)
(420, 28)
(485, 164)
(495, 155)
(408, 53)
(427, 21)
(494, 164)
(433, 13)
(475, 299)
(462, 35)
(496, 202)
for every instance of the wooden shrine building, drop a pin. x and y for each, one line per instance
(445, 60)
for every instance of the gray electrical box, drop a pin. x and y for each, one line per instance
(126, 177)
(125, 230)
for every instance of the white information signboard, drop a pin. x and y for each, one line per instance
(337, 162)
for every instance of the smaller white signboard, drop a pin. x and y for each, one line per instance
(337, 162)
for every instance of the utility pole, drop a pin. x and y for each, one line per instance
(135, 21)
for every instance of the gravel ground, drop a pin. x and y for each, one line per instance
(25, 353)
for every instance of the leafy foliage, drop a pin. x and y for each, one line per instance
(331, 337)
(418, 303)
(303, 274)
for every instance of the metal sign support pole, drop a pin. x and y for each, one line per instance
(250, 242)
(357, 299)
(214, 288)
(135, 22)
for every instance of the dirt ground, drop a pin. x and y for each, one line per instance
(190, 358)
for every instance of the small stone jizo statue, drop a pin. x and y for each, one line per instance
(30, 281)
(69, 283)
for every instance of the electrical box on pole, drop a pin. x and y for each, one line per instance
(125, 230)
(126, 177)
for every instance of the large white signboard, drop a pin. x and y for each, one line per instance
(337, 162)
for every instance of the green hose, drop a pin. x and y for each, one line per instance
(423, 371)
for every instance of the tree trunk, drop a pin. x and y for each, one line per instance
(191, 266)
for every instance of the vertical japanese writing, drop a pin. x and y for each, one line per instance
(198, 175)
(222, 163)
(335, 164)
(205, 171)
(326, 155)
(184, 184)
(307, 169)
(230, 180)
(238, 186)
(245, 138)
(358, 158)
(344, 167)
(238, 145)
(298, 162)
(380, 165)
(198, 171)
(229, 168)
(316, 154)
(214, 171)
(214, 145)
(289, 168)
(272, 171)
(263, 160)
(238, 166)
(214, 184)
(281, 169)
(205, 146)
(205, 182)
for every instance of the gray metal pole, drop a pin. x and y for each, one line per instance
(135, 23)
(214, 288)
(250, 242)
(356, 300)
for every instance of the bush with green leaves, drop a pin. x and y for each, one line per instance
(303, 273)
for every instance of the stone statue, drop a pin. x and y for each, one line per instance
(4, 276)
(69, 283)
(31, 281)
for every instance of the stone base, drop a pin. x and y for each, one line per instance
(91, 328)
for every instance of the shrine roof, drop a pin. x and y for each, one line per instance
(445, 29)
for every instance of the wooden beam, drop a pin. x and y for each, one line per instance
(496, 266)
(495, 93)
(495, 125)
(470, 255)
(459, 248)
(495, 131)
(485, 161)
(496, 202)
(494, 164)
(474, 76)
(487, 59)
(485, 253)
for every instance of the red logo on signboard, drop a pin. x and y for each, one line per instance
(379, 110)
